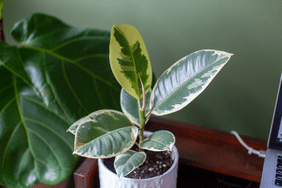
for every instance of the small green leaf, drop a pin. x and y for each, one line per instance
(130, 106)
(104, 134)
(158, 141)
(128, 161)
(185, 80)
(129, 60)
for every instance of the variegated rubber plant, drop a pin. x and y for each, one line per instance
(109, 133)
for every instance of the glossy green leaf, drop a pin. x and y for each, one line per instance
(185, 80)
(129, 60)
(54, 76)
(130, 106)
(104, 134)
(128, 161)
(158, 141)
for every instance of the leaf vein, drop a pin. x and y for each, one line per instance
(90, 56)
(47, 127)
(77, 39)
(5, 88)
(73, 62)
(8, 103)
(51, 149)
(71, 88)
(49, 109)
(54, 94)
(5, 152)
(98, 94)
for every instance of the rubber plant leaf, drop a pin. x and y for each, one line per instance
(55, 75)
(185, 80)
(104, 134)
(158, 141)
(129, 60)
(130, 106)
(128, 161)
(72, 129)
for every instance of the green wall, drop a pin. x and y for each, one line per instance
(242, 96)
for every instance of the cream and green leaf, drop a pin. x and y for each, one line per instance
(74, 126)
(104, 134)
(130, 107)
(185, 80)
(158, 141)
(128, 161)
(129, 60)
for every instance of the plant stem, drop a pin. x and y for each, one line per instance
(142, 122)
(142, 113)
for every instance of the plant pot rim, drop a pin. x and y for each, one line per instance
(175, 163)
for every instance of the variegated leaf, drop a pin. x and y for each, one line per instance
(104, 134)
(128, 161)
(129, 59)
(75, 125)
(158, 141)
(130, 106)
(185, 80)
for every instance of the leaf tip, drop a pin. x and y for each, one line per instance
(230, 54)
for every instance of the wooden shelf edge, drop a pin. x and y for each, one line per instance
(87, 174)
(182, 128)
(213, 149)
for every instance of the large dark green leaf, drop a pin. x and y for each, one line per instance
(54, 76)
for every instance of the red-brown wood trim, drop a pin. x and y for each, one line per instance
(181, 128)
(2, 38)
(213, 149)
(87, 174)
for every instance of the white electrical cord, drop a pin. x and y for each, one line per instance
(260, 153)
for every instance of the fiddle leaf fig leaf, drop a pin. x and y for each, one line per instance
(158, 141)
(104, 134)
(129, 60)
(130, 106)
(128, 161)
(55, 75)
(185, 80)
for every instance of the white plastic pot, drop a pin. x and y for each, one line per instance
(108, 179)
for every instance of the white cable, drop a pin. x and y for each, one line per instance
(250, 150)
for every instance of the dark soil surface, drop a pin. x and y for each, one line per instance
(155, 164)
